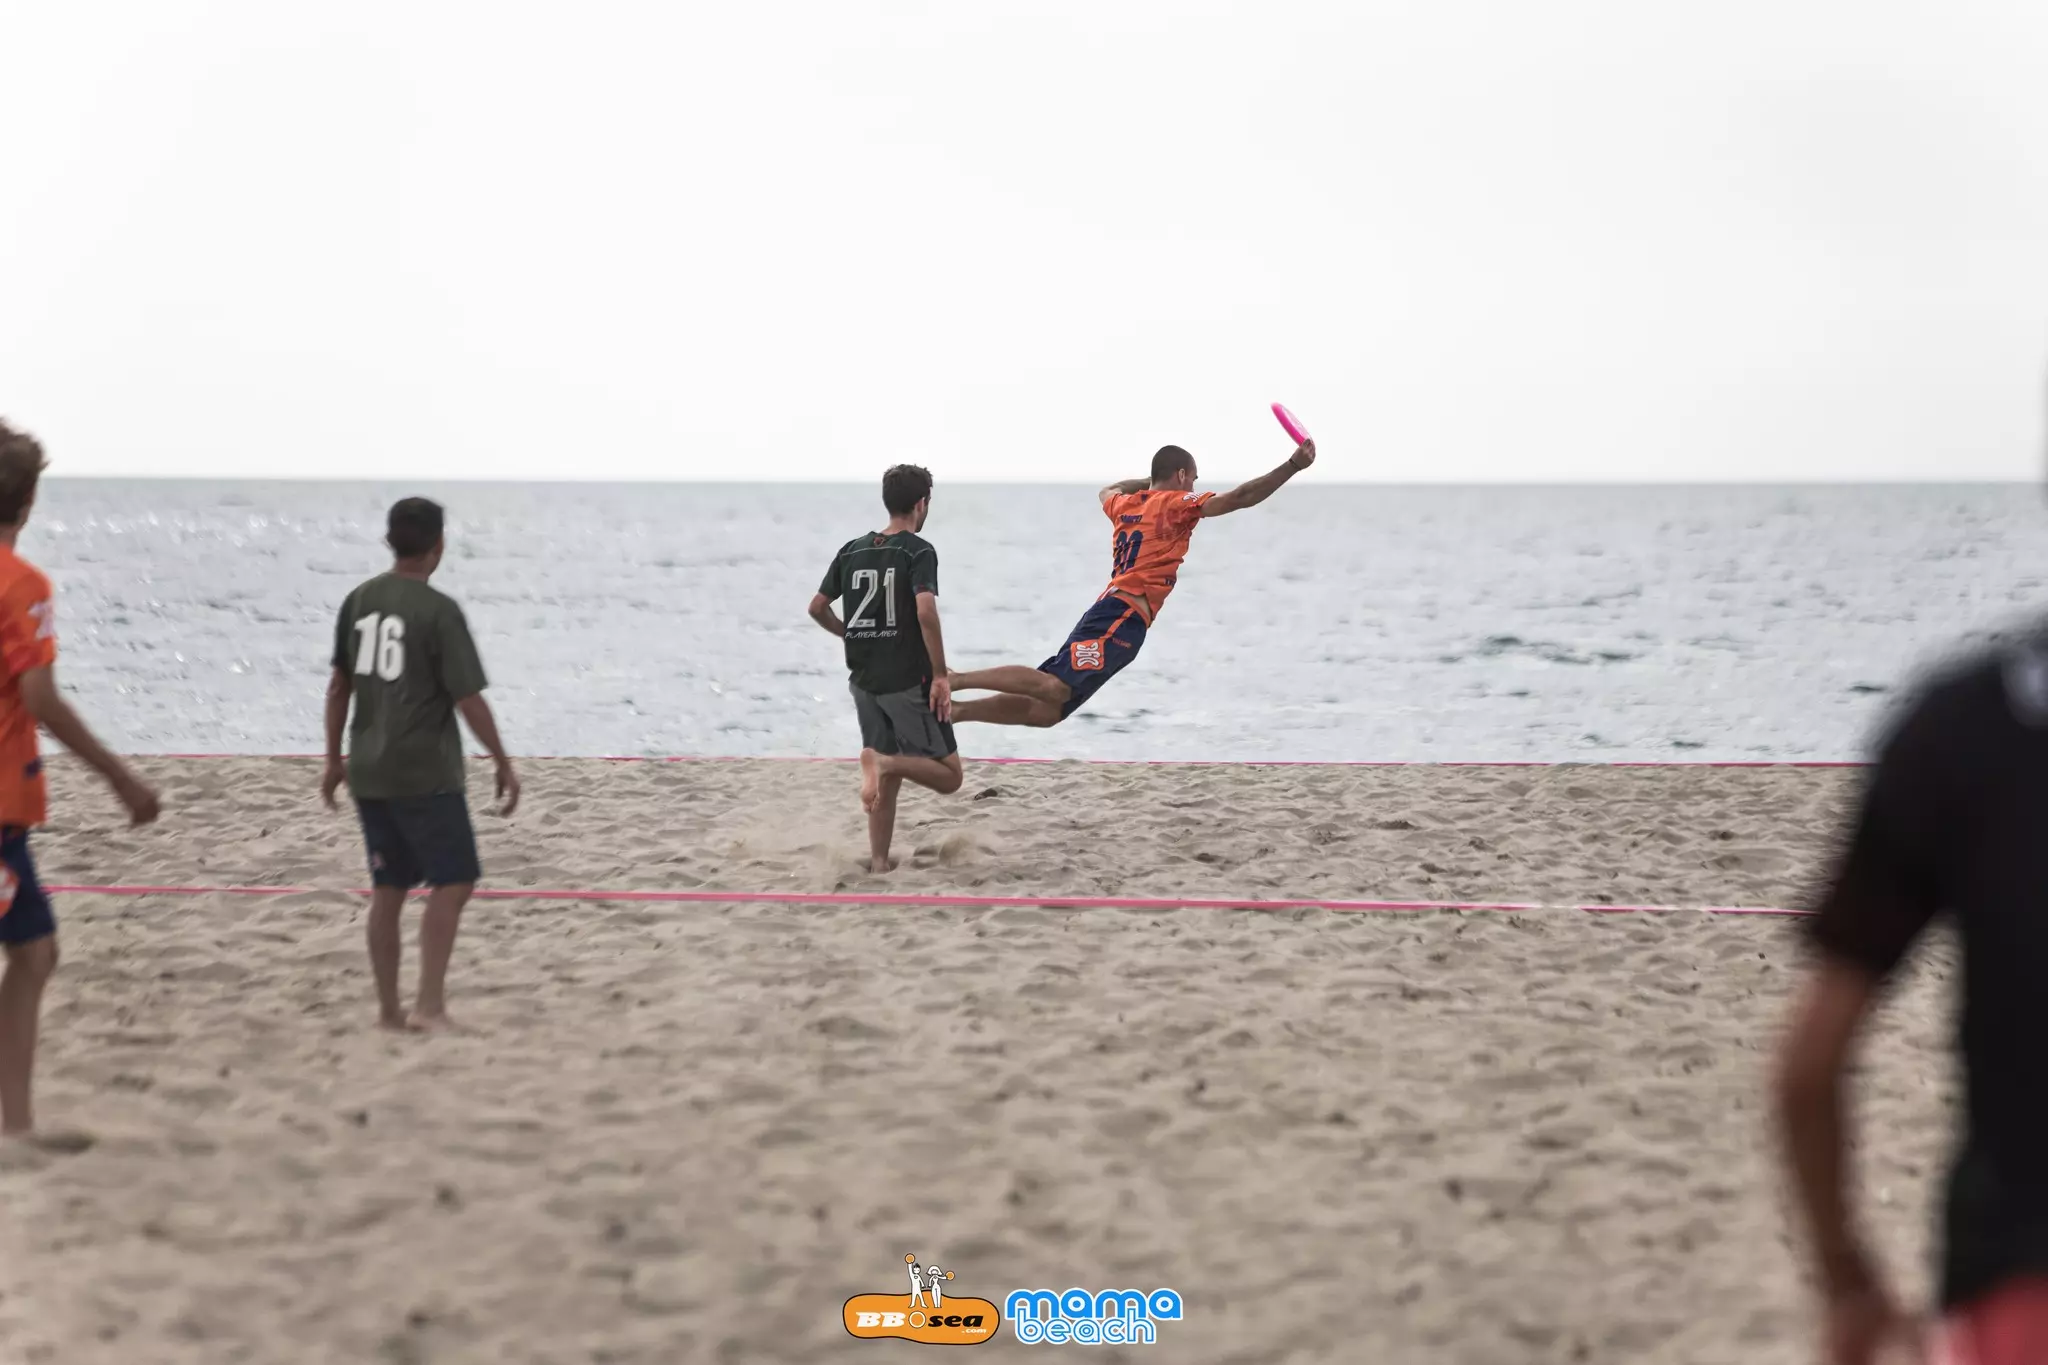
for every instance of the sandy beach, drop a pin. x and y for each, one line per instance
(689, 1132)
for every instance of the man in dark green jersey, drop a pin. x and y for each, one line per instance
(887, 584)
(403, 654)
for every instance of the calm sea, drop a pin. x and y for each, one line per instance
(1333, 623)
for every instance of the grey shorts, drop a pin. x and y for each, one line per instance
(901, 723)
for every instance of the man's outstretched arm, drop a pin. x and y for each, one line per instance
(1255, 491)
(40, 695)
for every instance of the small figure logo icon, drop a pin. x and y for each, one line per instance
(927, 1314)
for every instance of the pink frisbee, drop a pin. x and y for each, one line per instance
(1291, 423)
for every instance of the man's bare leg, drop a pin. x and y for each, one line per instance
(870, 779)
(21, 1008)
(387, 947)
(438, 926)
(1009, 709)
(941, 775)
(882, 823)
(1016, 680)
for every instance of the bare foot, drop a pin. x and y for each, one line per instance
(60, 1142)
(394, 1022)
(870, 779)
(438, 1022)
(884, 864)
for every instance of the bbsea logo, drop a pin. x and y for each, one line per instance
(927, 1314)
(1087, 655)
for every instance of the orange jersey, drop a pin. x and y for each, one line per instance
(28, 641)
(1152, 533)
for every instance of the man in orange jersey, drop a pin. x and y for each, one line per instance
(1154, 518)
(28, 697)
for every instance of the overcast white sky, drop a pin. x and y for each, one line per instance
(1513, 240)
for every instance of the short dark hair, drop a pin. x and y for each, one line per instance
(1170, 461)
(904, 486)
(415, 527)
(21, 466)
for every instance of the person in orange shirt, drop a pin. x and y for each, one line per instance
(1155, 519)
(29, 697)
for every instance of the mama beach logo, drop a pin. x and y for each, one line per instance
(927, 1314)
(1079, 1317)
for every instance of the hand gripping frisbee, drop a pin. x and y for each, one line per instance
(1292, 423)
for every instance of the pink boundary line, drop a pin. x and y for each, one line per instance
(956, 902)
(1152, 762)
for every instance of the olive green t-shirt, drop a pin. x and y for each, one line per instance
(408, 653)
(876, 579)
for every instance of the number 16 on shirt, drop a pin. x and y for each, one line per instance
(382, 650)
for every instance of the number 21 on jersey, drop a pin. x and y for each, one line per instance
(885, 584)
(382, 651)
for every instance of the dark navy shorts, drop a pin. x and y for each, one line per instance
(420, 841)
(28, 916)
(1106, 639)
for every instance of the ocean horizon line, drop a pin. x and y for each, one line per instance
(452, 481)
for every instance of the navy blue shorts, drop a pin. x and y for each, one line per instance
(420, 841)
(1106, 639)
(29, 916)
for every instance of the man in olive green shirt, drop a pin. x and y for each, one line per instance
(403, 654)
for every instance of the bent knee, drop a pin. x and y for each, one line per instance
(1045, 717)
